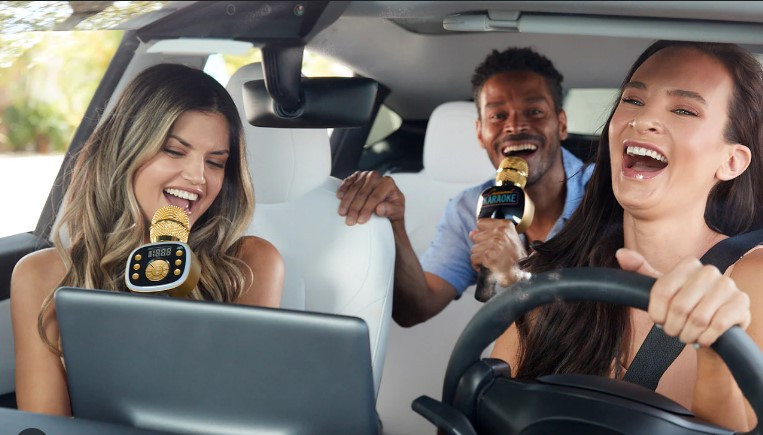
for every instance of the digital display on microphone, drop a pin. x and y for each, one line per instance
(159, 252)
(157, 265)
(166, 265)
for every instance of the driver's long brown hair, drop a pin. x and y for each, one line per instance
(587, 337)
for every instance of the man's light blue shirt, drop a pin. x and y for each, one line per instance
(448, 254)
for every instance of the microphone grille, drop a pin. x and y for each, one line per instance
(169, 223)
(514, 170)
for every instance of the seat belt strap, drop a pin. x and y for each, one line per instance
(656, 354)
(658, 351)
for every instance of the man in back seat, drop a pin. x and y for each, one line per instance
(518, 93)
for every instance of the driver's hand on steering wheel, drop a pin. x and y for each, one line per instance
(497, 246)
(693, 301)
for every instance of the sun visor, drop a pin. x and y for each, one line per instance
(324, 102)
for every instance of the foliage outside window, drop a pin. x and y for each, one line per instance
(47, 80)
(313, 64)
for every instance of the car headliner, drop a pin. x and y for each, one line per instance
(404, 45)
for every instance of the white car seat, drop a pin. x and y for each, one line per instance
(331, 267)
(453, 161)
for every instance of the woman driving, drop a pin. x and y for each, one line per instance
(678, 169)
(174, 137)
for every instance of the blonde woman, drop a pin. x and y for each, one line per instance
(174, 137)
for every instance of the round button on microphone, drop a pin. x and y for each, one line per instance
(157, 270)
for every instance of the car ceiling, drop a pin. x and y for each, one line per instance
(404, 46)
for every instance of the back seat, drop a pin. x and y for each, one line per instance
(453, 160)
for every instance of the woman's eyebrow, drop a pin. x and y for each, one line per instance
(673, 92)
(636, 85)
(187, 144)
(182, 141)
(688, 94)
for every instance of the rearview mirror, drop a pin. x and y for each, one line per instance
(325, 102)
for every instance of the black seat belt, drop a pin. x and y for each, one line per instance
(659, 351)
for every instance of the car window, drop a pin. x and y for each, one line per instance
(47, 80)
(587, 109)
(222, 66)
(386, 123)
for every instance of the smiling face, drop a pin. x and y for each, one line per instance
(517, 118)
(666, 137)
(189, 170)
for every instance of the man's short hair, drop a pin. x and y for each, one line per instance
(518, 59)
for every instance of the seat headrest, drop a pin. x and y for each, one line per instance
(452, 153)
(284, 163)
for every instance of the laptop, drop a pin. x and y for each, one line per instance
(203, 367)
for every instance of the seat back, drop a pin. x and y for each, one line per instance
(331, 267)
(453, 161)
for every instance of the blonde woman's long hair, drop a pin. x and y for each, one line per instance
(102, 216)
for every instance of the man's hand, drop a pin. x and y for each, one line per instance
(497, 246)
(367, 192)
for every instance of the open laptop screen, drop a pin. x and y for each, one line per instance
(205, 367)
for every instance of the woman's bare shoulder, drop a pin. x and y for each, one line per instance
(748, 271)
(37, 273)
(747, 275)
(267, 270)
(255, 250)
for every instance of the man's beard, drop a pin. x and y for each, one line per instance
(545, 162)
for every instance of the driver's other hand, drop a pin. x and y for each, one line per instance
(497, 246)
(367, 192)
(693, 301)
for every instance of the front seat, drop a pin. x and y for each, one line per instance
(330, 267)
(453, 161)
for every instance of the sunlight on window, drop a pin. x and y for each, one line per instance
(28, 16)
(318, 65)
(117, 13)
(313, 65)
(47, 80)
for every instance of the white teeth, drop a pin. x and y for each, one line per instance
(182, 194)
(640, 151)
(520, 147)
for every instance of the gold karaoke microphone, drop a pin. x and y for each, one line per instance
(510, 178)
(166, 265)
(506, 200)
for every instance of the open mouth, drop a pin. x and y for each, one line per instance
(643, 163)
(520, 150)
(181, 198)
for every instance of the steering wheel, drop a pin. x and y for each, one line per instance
(480, 396)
